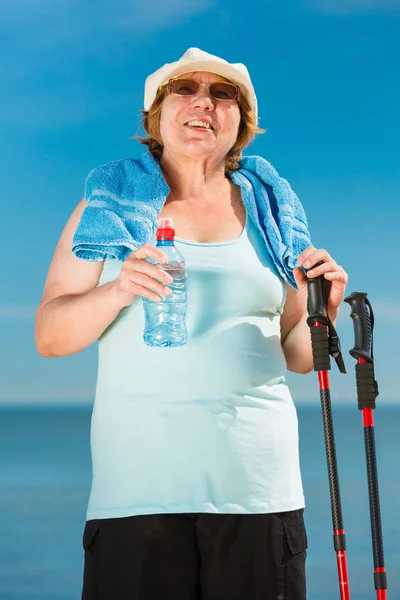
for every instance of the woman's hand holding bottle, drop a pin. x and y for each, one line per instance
(140, 277)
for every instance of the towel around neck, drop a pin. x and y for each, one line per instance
(125, 197)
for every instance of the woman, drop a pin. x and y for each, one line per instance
(196, 487)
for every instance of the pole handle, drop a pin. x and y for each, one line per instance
(363, 320)
(324, 339)
(316, 305)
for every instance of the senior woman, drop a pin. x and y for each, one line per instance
(196, 490)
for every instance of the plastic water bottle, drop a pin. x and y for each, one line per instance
(165, 321)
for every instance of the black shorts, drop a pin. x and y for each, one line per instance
(196, 556)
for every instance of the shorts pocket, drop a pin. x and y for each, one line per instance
(295, 559)
(90, 574)
(90, 532)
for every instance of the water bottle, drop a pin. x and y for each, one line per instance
(165, 323)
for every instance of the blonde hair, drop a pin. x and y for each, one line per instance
(248, 129)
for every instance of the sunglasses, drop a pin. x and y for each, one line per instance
(219, 90)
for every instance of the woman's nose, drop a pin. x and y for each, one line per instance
(203, 100)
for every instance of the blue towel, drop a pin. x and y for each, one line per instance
(125, 197)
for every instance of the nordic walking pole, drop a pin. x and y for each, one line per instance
(325, 342)
(367, 391)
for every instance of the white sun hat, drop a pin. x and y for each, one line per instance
(195, 59)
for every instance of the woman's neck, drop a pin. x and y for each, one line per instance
(191, 180)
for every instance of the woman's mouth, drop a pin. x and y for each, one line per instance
(199, 125)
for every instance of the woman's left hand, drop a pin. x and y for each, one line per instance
(330, 270)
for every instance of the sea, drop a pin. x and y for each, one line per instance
(45, 473)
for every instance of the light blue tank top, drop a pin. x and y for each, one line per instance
(205, 427)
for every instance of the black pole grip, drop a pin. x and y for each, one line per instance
(317, 314)
(315, 300)
(362, 326)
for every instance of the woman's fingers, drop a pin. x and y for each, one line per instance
(148, 251)
(329, 269)
(139, 290)
(311, 256)
(326, 267)
(137, 262)
(305, 255)
(339, 275)
(129, 287)
(140, 277)
(143, 280)
(148, 268)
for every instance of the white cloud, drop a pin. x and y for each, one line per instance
(15, 311)
(356, 6)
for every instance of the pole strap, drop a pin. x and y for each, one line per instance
(333, 338)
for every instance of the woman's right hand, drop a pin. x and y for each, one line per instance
(139, 277)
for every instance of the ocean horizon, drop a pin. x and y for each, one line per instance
(45, 474)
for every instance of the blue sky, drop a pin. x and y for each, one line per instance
(326, 73)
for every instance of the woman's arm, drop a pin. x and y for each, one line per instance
(74, 312)
(295, 333)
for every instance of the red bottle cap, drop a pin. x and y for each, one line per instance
(165, 230)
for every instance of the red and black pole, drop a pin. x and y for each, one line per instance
(325, 342)
(367, 392)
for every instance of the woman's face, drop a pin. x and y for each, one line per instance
(198, 142)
